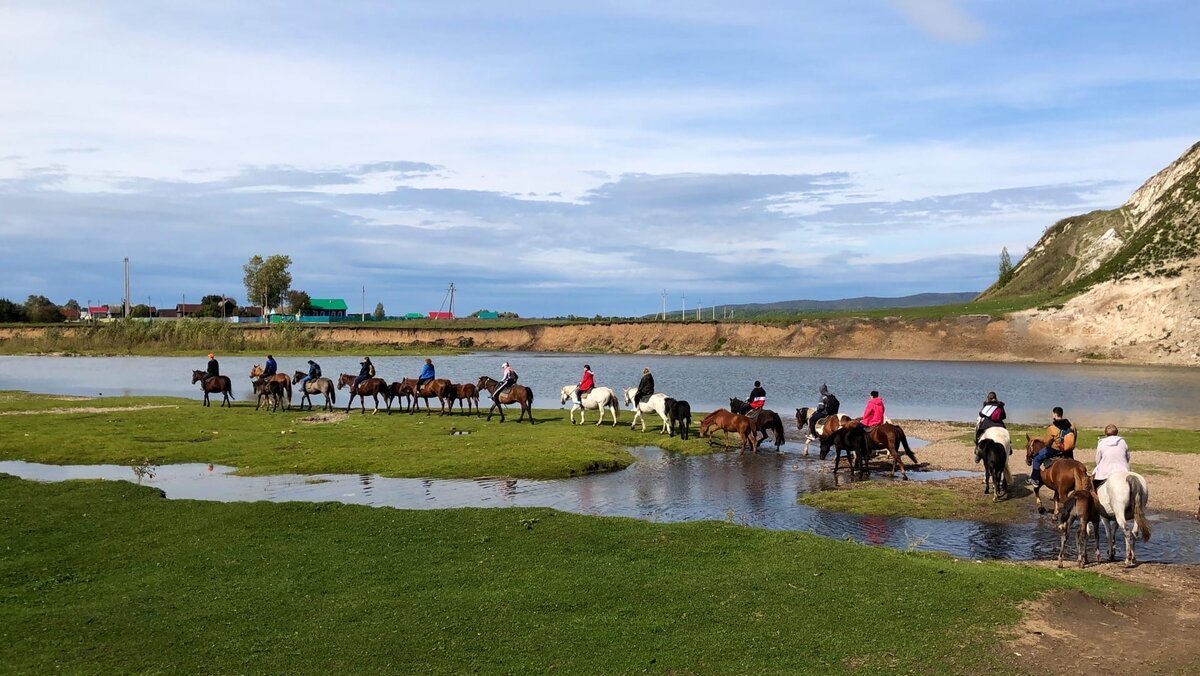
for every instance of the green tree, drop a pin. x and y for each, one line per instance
(379, 313)
(211, 306)
(298, 302)
(12, 312)
(1006, 267)
(72, 304)
(267, 280)
(140, 310)
(41, 310)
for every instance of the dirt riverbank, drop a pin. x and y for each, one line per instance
(965, 338)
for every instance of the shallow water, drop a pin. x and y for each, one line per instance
(759, 491)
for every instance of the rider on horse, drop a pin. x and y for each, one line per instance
(508, 378)
(756, 401)
(214, 369)
(426, 374)
(367, 371)
(1112, 455)
(314, 372)
(873, 413)
(270, 368)
(586, 383)
(1060, 440)
(991, 415)
(828, 406)
(645, 387)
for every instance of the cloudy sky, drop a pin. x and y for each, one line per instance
(555, 157)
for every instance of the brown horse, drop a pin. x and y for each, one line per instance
(270, 390)
(468, 393)
(440, 387)
(218, 385)
(1084, 504)
(316, 386)
(517, 394)
(888, 437)
(286, 383)
(371, 387)
(765, 420)
(825, 426)
(727, 421)
(1062, 475)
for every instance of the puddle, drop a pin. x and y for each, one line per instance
(759, 491)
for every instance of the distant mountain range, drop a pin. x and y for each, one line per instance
(860, 303)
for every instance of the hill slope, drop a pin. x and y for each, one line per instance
(751, 310)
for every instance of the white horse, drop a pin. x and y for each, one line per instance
(1123, 496)
(655, 403)
(600, 398)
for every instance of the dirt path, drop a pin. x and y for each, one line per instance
(1072, 633)
(89, 409)
(1174, 478)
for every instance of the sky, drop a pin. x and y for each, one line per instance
(554, 158)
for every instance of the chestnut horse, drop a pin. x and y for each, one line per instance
(1081, 503)
(888, 437)
(467, 392)
(218, 385)
(286, 383)
(824, 429)
(765, 420)
(371, 387)
(316, 386)
(517, 394)
(439, 387)
(1062, 475)
(727, 421)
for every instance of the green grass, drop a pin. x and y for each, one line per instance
(257, 442)
(920, 501)
(1139, 439)
(108, 577)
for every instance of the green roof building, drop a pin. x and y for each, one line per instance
(327, 307)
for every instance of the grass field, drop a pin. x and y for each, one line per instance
(108, 577)
(257, 442)
(963, 501)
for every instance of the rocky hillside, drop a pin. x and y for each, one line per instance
(1154, 235)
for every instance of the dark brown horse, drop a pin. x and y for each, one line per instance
(1061, 475)
(468, 393)
(888, 437)
(439, 387)
(284, 382)
(218, 385)
(829, 425)
(371, 387)
(316, 386)
(270, 390)
(727, 421)
(517, 394)
(765, 420)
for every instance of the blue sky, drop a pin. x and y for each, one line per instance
(572, 158)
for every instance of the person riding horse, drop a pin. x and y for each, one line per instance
(828, 406)
(270, 367)
(755, 402)
(508, 378)
(427, 374)
(645, 387)
(1060, 441)
(1112, 456)
(314, 372)
(367, 371)
(586, 384)
(991, 415)
(873, 412)
(214, 369)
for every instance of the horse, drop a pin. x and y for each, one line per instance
(316, 386)
(467, 392)
(371, 387)
(1061, 475)
(269, 389)
(1081, 502)
(680, 413)
(1123, 496)
(731, 422)
(825, 426)
(439, 387)
(765, 420)
(599, 399)
(853, 440)
(284, 382)
(219, 384)
(655, 403)
(517, 394)
(888, 437)
(995, 462)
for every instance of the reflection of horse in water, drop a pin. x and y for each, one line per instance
(316, 386)
(215, 385)
(765, 420)
(598, 399)
(727, 421)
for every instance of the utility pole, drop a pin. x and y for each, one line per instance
(451, 310)
(698, 304)
(683, 308)
(664, 305)
(714, 312)
(127, 287)
(363, 316)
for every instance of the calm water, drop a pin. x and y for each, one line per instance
(760, 491)
(1092, 395)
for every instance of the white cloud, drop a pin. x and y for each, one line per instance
(942, 19)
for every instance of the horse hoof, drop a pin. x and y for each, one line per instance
(1041, 510)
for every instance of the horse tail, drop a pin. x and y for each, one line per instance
(332, 394)
(903, 438)
(1138, 494)
(779, 438)
(529, 397)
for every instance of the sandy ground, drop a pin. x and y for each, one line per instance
(1072, 633)
(1174, 478)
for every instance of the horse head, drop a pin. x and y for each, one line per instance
(1032, 446)
(486, 383)
(296, 378)
(629, 392)
(197, 376)
(256, 370)
(802, 416)
(568, 392)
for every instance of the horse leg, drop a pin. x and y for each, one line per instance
(1037, 499)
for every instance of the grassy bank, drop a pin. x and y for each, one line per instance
(399, 445)
(955, 499)
(190, 337)
(1139, 439)
(110, 577)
